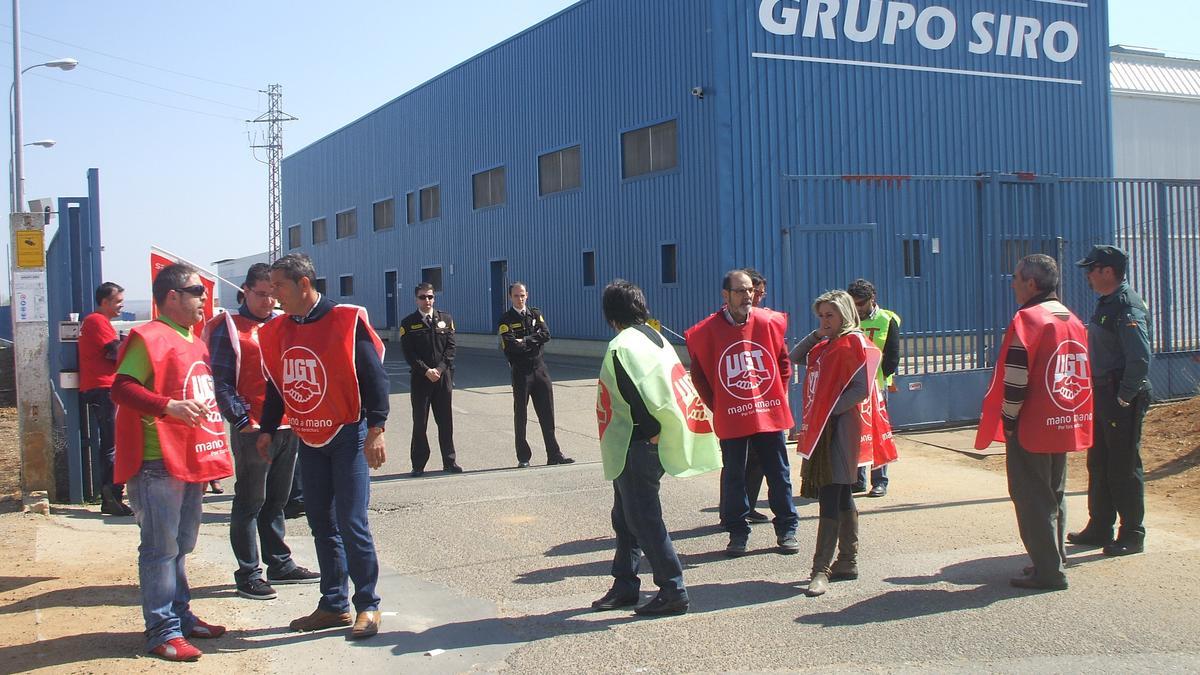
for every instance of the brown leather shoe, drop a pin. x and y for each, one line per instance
(366, 625)
(320, 620)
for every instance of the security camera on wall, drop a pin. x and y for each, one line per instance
(698, 92)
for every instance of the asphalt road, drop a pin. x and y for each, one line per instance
(494, 569)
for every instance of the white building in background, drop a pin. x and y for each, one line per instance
(1155, 114)
(234, 270)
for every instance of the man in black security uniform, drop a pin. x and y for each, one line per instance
(523, 331)
(427, 338)
(1119, 344)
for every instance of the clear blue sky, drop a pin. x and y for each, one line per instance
(171, 142)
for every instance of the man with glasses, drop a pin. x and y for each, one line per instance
(263, 482)
(170, 442)
(882, 327)
(427, 338)
(1119, 343)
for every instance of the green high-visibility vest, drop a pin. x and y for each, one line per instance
(877, 327)
(666, 389)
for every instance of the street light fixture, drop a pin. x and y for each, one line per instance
(16, 161)
(46, 143)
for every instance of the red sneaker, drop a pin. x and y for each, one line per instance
(176, 649)
(206, 631)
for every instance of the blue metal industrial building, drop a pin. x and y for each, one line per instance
(925, 145)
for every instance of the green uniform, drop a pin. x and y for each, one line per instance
(682, 451)
(1119, 341)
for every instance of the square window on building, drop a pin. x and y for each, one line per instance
(320, 234)
(559, 170)
(346, 285)
(589, 268)
(487, 188)
(413, 207)
(319, 284)
(912, 258)
(384, 215)
(294, 237)
(347, 223)
(432, 275)
(649, 149)
(670, 271)
(431, 202)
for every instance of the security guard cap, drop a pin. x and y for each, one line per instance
(1106, 255)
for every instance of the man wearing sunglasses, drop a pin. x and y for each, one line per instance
(169, 444)
(427, 337)
(263, 481)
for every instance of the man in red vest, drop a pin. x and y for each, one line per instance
(325, 366)
(170, 442)
(264, 482)
(740, 368)
(98, 346)
(1040, 406)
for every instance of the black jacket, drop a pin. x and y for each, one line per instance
(522, 336)
(426, 347)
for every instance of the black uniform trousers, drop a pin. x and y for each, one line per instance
(1116, 486)
(435, 395)
(102, 414)
(533, 382)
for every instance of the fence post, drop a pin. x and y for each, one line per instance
(1162, 214)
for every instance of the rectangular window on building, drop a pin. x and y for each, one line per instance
(319, 234)
(559, 170)
(412, 206)
(670, 273)
(319, 284)
(487, 188)
(346, 285)
(912, 258)
(431, 202)
(432, 275)
(589, 268)
(347, 223)
(649, 149)
(294, 237)
(384, 215)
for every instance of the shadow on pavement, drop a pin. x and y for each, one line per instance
(107, 595)
(75, 512)
(599, 544)
(13, 583)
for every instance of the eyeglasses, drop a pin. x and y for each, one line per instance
(424, 297)
(742, 291)
(194, 291)
(260, 295)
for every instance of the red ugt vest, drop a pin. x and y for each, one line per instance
(830, 367)
(749, 391)
(95, 371)
(312, 367)
(1057, 413)
(191, 454)
(251, 382)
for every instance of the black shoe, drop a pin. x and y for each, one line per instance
(736, 548)
(757, 517)
(214, 486)
(293, 510)
(299, 575)
(257, 589)
(522, 465)
(559, 460)
(1035, 584)
(878, 491)
(1127, 547)
(1090, 537)
(115, 508)
(453, 468)
(858, 487)
(417, 473)
(614, 599)
(660, 606)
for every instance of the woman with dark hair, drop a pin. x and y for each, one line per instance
(844, 426)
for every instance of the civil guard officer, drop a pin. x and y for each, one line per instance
(1119, 343)
(523, 332)
(427, 338)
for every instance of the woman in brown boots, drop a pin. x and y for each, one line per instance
(844, 426)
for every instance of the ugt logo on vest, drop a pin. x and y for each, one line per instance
(198, 385)
(603, 408)
(1068, 377)
(747, 370)
(695, 413)
(304, 379)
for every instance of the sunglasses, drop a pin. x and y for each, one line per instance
(424, 297)
(194, 291)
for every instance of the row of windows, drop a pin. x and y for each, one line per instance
(643, 151)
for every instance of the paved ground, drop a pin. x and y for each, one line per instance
(494, 569)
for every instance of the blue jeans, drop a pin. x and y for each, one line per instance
(260, 492)
(879, 476)
(638, 523)
(168, 515)
(772, 455)
(337, 489)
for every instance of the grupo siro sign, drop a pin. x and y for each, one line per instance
(988, 35)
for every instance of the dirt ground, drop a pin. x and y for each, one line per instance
(10, 461)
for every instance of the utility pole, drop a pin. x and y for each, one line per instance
(274, 119)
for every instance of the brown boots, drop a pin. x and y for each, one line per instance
(838, 535)
(845, 568)
(827, 537)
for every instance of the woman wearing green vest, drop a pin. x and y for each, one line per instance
(651, 422)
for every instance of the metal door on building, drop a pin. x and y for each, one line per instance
(498, 291)
(389, 298)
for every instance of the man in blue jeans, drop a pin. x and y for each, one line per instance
(326, 362)
(263, 481)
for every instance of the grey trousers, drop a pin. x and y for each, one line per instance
(1037, 483)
